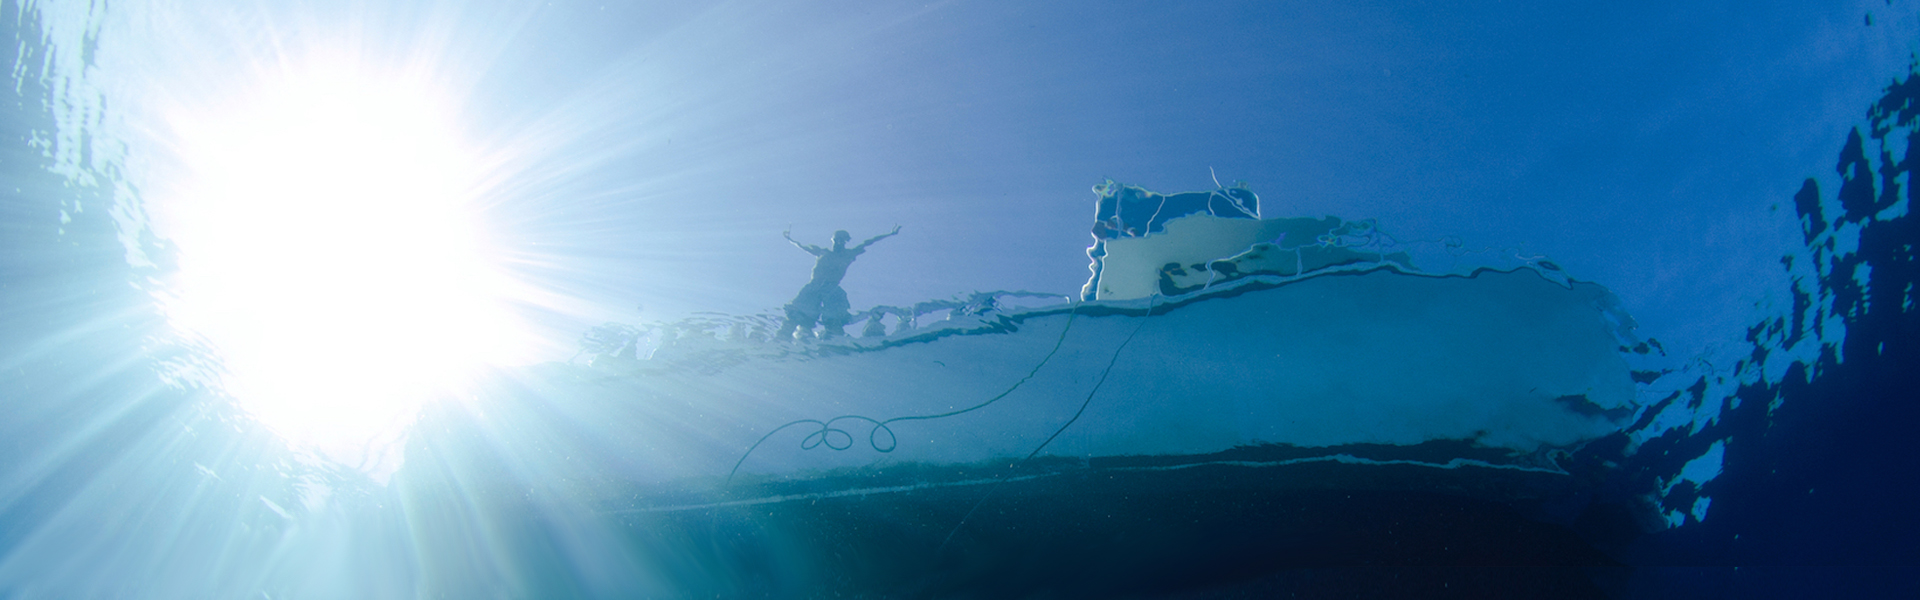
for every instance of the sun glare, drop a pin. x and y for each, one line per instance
(329, 248)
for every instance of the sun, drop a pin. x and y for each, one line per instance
(331, 249)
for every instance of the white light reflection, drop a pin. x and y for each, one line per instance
(329, 247)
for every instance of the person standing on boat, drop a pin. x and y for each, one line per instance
(823, 300)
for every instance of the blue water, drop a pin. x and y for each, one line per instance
(1758, 317)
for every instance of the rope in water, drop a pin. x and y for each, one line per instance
(827, 432)
(1111, 361)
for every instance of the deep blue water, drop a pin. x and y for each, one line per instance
(1778, 465)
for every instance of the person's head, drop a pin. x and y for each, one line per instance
(840, 238)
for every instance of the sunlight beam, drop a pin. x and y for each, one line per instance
(330, 249)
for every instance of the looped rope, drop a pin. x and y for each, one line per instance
(825, 435)
(828, 433)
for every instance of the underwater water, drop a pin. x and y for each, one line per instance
(1215, 300)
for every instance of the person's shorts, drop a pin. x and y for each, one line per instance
(822, 303)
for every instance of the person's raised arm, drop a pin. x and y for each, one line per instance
(809, 248)
(863, 245)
